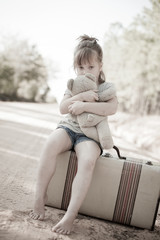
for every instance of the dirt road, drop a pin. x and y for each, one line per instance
(24, 128)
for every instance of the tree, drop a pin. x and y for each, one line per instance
(132, 57)
(6, 76)
(23, 73)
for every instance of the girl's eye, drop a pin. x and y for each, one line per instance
(91, 67)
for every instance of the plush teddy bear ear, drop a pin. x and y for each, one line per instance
(90, 76)
(70, 84)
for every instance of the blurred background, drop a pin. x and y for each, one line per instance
(37, 40)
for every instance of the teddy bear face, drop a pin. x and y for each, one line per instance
(82, 83)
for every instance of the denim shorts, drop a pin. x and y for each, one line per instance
(78, 137)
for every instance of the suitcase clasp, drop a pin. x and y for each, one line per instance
(149, 163)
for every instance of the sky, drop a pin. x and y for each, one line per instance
(54, 25)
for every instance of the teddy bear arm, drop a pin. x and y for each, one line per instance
(107, 94)
(104, 97)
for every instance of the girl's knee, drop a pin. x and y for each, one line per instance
(89, 163)
(50, 147)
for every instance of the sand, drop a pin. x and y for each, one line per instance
(24, 127)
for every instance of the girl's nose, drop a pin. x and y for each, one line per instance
(85, 71)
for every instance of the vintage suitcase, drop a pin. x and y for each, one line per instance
(123, 190)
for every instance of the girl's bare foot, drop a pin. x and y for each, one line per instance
(38, 212)
(65, 225)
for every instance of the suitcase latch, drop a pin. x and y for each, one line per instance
(149, 163)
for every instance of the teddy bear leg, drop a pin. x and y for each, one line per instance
(91, 132)
(89, 120)
(93, 120)
(86, 120)
(104, 134)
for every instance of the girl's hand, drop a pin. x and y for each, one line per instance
(90, 96)
(76, 108)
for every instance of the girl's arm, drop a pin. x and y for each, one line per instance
(88, 96)
(102, 108)
(99, 108)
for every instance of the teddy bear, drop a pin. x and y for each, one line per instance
(92, 125)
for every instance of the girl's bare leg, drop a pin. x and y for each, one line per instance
(87, 154)
(58, 142)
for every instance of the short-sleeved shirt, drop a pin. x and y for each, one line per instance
(70, 120)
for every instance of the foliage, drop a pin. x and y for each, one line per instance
(132, 60)
(23, 73)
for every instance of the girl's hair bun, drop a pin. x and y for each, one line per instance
(85, 37)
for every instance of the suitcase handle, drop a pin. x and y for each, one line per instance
(118, 153)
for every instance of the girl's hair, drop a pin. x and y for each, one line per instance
(85, 51)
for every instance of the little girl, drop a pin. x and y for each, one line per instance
(87, 59)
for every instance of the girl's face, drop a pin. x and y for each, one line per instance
(93, 66)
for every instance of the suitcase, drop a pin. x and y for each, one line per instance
(123, 190)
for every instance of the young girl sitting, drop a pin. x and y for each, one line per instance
(88, 57)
